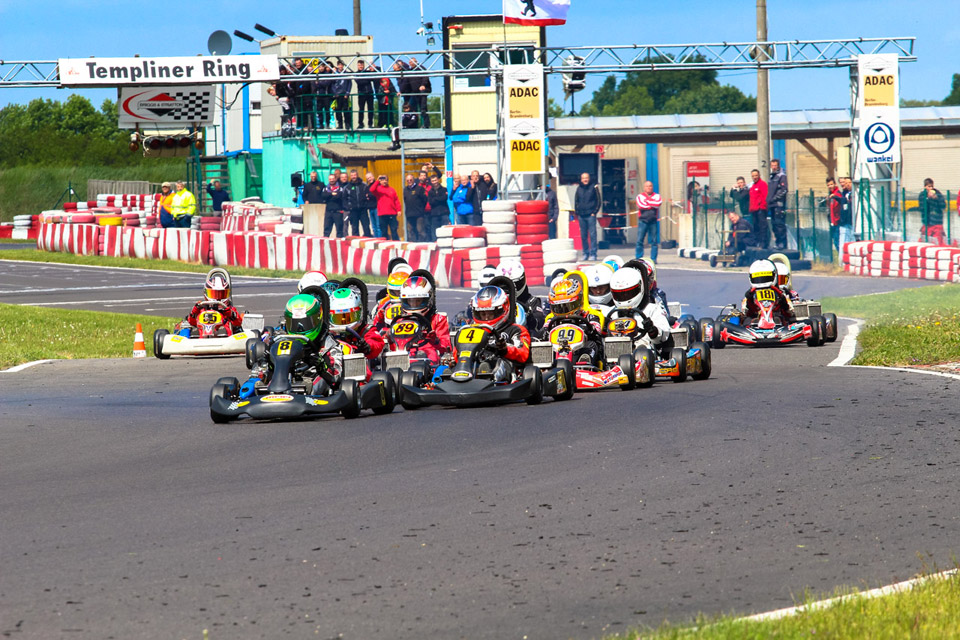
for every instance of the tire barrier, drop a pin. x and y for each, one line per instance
(902, 260)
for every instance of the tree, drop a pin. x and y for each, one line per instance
(554, 109)
(713, 98)
(954, 97)
(904, 102)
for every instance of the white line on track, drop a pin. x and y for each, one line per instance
(25, 365)
(848, 348)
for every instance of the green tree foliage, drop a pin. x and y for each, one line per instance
(666, 92)
(905, 102)
(554, 109)
(954, 97)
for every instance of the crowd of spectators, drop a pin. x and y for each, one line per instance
(314, 96)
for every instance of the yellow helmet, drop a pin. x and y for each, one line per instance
(396, 279)
(566, 297)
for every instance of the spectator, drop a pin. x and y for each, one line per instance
(758, 209)
(432, 170)
(836, 201)
(323, 87)
(421, 87)
(777, 202)
(693, 196)
(553, 212)
(475, 182)
(586, 205)
(439, 209)
(365, 95)
(300, 90)
(388, 206)
(184, 206)
(462, 199)
(355, 193)
(487, 188)
(741, 233)
(846, 213)
(740, 195)
(932, 203)
(371, 205)
(414, 208)
(281, 92)
(166, 205)
(342, 177)
(332, 196)
(407, 121)
(403, 82)
(313, 190)
(386, 104)
(342, 102)
(218, 195)
(648, 220)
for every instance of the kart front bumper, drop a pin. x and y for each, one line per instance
(736, 334)
(286, 406)
(175, 345)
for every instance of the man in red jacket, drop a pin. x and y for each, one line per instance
(388, 207)
(758, 209)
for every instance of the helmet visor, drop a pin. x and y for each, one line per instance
(564, 308)
(347, 317)
(600, 290)
(218, 294)
(488, 315)
(303, 326)
(626, 295)
(414, 304)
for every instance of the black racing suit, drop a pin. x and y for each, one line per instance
(533, 307)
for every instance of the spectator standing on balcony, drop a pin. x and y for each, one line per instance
(586, 204)
(777, 203)
(932, 204)
(386, 104)
(421, 87)
(323, 87)
(341, 94)
(332, 196)
(218, 195)
(439, 209)
(388, 206)
(462, 199)
(758, 209)
(301, 89)
(740, 195)
(371, 205)
(403, 82)
(414, 208)
(487, 188)
(648, 220)
(553, 212)
(365, 95)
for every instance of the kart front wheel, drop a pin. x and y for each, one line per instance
(814, 339)
(351, 389)
(409, 379)
(706, 366)
(680, 356)
(831, 320)
(158, 337)
(648, 363)
(569, 380)
(220, 390)
(395, 373)
(629, 368)
(531, 372)
(389, 391)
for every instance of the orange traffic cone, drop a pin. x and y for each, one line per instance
(139, 348)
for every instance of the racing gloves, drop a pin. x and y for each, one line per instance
(501, 346)
(648, 327)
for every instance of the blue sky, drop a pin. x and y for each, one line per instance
(45, 30)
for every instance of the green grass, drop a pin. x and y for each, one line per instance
(16, 241)
(929, 610)
(909, 327)
(158, 265)
(39, 333)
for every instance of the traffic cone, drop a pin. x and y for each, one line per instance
(139, 348)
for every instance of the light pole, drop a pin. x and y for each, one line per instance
(763, 93)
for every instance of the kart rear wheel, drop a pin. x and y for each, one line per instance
(219, 390)
(158, 337)
(351, 389)
(395, 373)
(648, 360)
(252, 353)
(814, 339)
(823, 330)
(389, 391)
(680, 355)
(693, 330)
(831, 320)
(534, 373)
(569, 379)
(707, 331)
(409, 378)
(706, 366)
(629, 367)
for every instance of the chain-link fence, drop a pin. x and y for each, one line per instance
(315, 112)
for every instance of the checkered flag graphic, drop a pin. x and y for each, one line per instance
(198, 106)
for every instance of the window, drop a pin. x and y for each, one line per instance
(254, 107)
(495, 57)
(573, 164)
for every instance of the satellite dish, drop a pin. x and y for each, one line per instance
(219, 43)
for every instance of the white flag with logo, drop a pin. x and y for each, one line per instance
(535, 12)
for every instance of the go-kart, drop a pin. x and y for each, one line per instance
(212, 335)
(476, 379)
(732, 327)
(811, 309)
(687, 359)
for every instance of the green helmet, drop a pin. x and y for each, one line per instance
(303, 316)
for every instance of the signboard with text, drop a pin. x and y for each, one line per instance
(173, 105)
(523, 118)
(114, 72)
(879, 108)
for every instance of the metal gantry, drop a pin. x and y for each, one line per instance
(790, 54)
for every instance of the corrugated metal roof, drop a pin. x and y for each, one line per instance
(359, 151)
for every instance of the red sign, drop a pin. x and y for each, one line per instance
(698, 169)
(599, 149)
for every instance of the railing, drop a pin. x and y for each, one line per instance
(323, 111)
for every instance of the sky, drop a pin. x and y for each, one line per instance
(43, 30)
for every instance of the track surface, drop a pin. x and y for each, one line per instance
(126, 513)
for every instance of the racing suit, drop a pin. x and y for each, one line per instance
(232, 319)
(591, 323)
(372, 341)
(326, 359)
(533, 306)
(436, 343)
(514, 353)
(791, 294)
(781, 306)
(655, 327)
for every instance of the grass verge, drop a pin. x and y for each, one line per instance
(38, 333)
(928, 610)
(158, 265)
(905, 328)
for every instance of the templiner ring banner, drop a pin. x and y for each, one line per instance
(116, 72)
(176, 105)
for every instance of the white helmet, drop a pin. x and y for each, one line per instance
(763, 274)
(598, 283)
(346, 310)
(311, 279)
(614, 262)
(627, 288)
(513, 269)
(417, 296)
(487, 274)
(783, 275)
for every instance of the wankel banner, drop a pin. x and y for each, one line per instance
(878, 106)
(116, 72)
(173, 105)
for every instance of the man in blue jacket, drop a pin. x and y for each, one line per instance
(218, 195)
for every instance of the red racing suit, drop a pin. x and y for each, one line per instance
(231, 317)
(782, 306)
(370, 335)
(436, 343)
(518, 344)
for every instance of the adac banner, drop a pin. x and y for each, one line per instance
(878, 108)
(193, 70)
(177, 105)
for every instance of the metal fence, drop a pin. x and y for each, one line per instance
(878, 215)
(315, 112)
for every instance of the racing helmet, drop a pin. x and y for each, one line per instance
(514, 270)
(396, 279)
(598, 283)
(614, 262)
(346, 310)
(566, 297)
(487, 274)
(217, 287)
(311, 279)
(491, 307)
(763, 274)
(417, 295)
(627, 288)
(652, 270)
(303, 316)
(783, 275)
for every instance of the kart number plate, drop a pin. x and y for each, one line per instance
(470, 336)
(176, 338)
(405, 329)
(284, 347)
(573, 335)
(210, 317)
(391, 312)
(766, 295)
(622, 326)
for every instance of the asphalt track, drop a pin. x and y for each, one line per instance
(126, 513)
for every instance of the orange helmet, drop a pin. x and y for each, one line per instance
(396, 279)
(566, 297)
